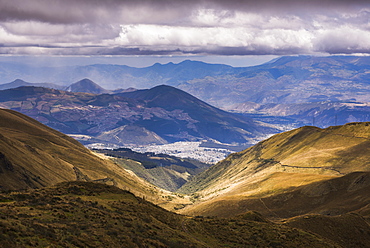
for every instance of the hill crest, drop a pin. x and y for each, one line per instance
(86, 86)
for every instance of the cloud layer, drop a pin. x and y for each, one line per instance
(146, 27)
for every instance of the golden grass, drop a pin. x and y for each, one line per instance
(35, 156)
(278, 165)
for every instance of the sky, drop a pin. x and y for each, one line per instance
(213, 30)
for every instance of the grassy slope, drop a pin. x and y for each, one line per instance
(328, 197)
(279, 165)
(81, 214)
(34, 155)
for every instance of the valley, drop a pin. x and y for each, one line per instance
(278, 192)
(164, 171)
(81, 210)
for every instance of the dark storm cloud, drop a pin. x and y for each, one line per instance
(91, 11)
(153, 11)
(147, 27)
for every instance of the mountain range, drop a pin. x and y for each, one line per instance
(19, 83)
(309, 85)
(321, 114)
(292, 79)
(159, 115)
(289, 79)
(115, 76)
(85, 85)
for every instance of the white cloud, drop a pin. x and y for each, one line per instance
(343, 39)
(273, 40)
(193, 26)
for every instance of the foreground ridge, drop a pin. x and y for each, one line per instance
(80, 214)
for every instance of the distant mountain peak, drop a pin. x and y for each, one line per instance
(164, 87)
(165, 96)
(86, 86)
(16, 83)
(19, 81)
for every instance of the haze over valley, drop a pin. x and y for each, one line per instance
(294, 91)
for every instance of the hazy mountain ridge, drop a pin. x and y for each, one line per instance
(116, 76)
(321, 114)
(289, 79)
(292, 79)
(283, 84)
(18, 83)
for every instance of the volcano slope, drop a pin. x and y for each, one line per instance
(281, 165)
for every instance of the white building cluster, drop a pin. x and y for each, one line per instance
(187, 150)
